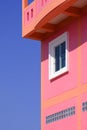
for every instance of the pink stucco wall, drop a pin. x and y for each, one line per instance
(69, 80)
(76, 77)
(65, 123)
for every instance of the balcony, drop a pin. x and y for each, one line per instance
(42, 18)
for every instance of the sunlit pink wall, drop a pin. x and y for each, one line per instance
(65, 123)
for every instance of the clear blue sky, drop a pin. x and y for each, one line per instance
(19, 72)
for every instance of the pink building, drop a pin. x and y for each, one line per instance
(61, 26)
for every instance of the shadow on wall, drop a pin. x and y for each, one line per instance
(77, 31)
(76, 37)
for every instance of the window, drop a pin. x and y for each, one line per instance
(58, 57)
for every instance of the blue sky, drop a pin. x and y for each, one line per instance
(19, 72)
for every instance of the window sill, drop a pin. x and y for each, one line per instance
(58, 73)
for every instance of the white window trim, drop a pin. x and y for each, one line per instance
(60, 39)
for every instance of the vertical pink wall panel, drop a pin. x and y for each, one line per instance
(84, 49)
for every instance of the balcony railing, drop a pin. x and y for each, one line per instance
(42, 18)
(33, 9)
(29, 13)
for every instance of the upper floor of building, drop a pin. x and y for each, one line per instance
(42, 18)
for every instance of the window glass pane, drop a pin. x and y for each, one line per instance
(63, 55)
(57, 58)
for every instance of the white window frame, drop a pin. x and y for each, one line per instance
(59, 40)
